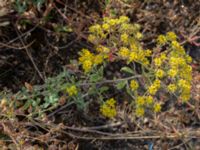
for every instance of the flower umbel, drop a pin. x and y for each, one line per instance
(157, 107)
(72, 90)
(108, 109)
(133, 85)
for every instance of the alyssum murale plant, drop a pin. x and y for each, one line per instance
(167, 70)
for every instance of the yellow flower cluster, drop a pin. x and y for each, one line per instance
(144, 100)
(139, 55)
(124, 52)
(157, 107)
(126, 42)
(171, 36)
(124, 38)
(160, 73)
(172, 87)
(134, 85)
(141, 103)
(97, 31)
(108, 109)
(185, 87)
(158, 61)
(172, 73)
(72, 90)
(161, 40)
(154, 87)
(176, 64)
(100, 31)
(88, 59)
(139, 111)
(180, 68)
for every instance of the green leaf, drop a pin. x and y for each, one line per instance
(97, 76)
(127, 70)
(53, 98)
(103, 89)
(120, 85)
(27, 104)
(34, 103)
(45, 105)
(128, 90)
(80, 103)
(92, 90)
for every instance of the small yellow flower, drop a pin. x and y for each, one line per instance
(171, 36)
(124, 52)
(87, 65)
(95, 28)
(175, 45)
(157, 83)
(185, 97)
(138, 36)
(185, 87)
(145, 62)
(188, 69)
(163, 57)
(134, 85)
(157, 107)
(108, 109)
(152, 89)
(134, 47)
(174, 62)
(140, 101)
(159, 73)
(181, 61)
(133, 56)
(102, 49)
(85, 55)
(188, 59)
(158, 62)
(124, 38)
(112, 22)
(123, 19)
(72, 90)
(148, 53)
(149, 100)
(106, 26)
(92, 38)
(182, 83)
(161, 40)
(172, 73)
(139, 111)
(172, 87)
(124, 27)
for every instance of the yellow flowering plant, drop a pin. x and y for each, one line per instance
(167, 71)
(143, 74)
(108, 109)
(119, 66)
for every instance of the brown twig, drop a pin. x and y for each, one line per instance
(13, 47)
(29, 55)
